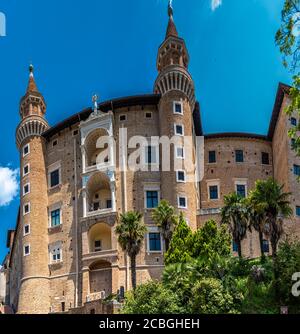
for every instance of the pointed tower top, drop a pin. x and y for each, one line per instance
(171, 30)
(32, 87)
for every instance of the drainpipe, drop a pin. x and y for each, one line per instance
(76, 223)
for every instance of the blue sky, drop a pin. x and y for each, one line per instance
(110, 47)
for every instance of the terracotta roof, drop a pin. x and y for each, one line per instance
(171, 29)
(282, 90)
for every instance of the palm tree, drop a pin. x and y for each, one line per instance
(234, 214)
(272, 204)
(165, 218)
(131, 233)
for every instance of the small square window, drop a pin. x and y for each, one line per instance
(26, 230)
(55, 218)
(75, 133)
(266, 246)
(54, 143)
(294, 121)
(98, 246)
(152, 199)
(54, 178)
(178, 108)
(182, 202)
(265, 159)
(179, 152)
(148, 115)
(26, 250)
(179, 130)
(26, 189)
(180, 175)
(26, 170)
(212, 158)
(298, 211)
(26, 150)
(239, 156)
(154, 242)
(213, 192)
(26, 209)
(241, 190)
(297, 170)
(123, 118)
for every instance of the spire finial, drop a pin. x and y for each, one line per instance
(170, 8)
(95, 99)
(31, 69)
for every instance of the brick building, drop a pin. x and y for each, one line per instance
(64, 251)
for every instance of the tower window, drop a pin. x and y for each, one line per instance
(182, 202)
(26, 170)
(26, 189)
(179, 131)
(212, 158)
(213, 192)
(26, 150)
(152, 199)
(294, 121)
(178, 108)
(26, 229)
(179, 152)
(265, 159)
(297, 170)
(239, 156)
(180, 176)
(54, 178)
(148, 115)
(241, 190)
(55, 218)
(56, 253)
(26, 209)
(26, 250)
(154, 242)
(98, 246)
(123, 118)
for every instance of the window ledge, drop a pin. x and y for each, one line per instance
(56, 266)
(55, 229)
(58, 187)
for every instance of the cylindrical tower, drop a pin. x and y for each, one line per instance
(34, 290)
(176, 107)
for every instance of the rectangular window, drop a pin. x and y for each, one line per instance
(152, 199)
(123, 118)
(179, 130)
(178, 109)
(150, 155)
(265, 159)
(154, 242)
(235, 247)
(56, 254)
(75, 133)
(55, 218)
(26, 189)
(26, 170)
(212, 157)
(294, 121)
(179, 152)
(239, 156)
(241, 190)
(98, 246)
(266, 246)
(298, 211)
(26, 150)
(180, 176)
(108, 204)
(214, 192)
(26, 250)
(182, 202)
(297, 170)
(54, 178)
(148, 115)
(26, 209)
(26, 229)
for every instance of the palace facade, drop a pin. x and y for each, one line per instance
(64, 251)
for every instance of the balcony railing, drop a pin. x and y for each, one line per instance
(206, 212)
(95, 296)
(100, 255)
(99, 212)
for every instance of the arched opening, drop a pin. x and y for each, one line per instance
(99, 195)
(92, 152)
(100, 238)
(100, 278)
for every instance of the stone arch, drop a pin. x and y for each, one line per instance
(90, 145)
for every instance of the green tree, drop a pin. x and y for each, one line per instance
(235, 215)
(165, 218)
(180, 246)
(272, 203)
(288, 40)
(152, 298)
(210, 240)
(131, 233)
